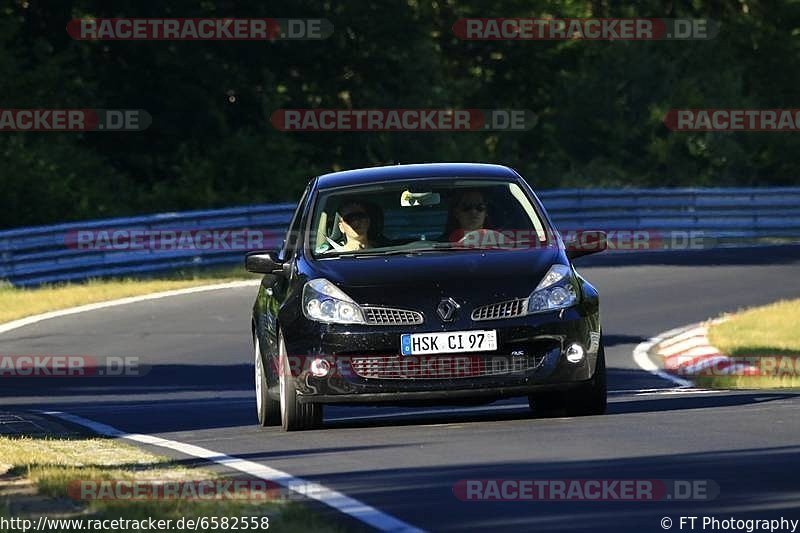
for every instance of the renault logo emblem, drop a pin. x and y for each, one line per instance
(447, 309)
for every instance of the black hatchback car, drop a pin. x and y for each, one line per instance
(420, 284)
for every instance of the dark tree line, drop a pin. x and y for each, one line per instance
(599, 104)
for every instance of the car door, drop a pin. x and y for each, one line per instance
(274, 289)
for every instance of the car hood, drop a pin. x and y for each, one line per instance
(501, 273)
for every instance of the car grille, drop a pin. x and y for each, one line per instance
(508, 309)
(384, 316)
(442, 366)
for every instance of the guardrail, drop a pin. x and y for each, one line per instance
(36, 255)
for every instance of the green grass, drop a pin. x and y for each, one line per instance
(747, 382)
(762, 333)
(50, 464)
(768, 330)
(21, 302)
(46, 466)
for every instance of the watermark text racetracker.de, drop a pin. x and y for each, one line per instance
(730, 523)
(199, 29)
(196, 490)
(619, 239)
(748, 366)
(70, 366)
(592, 29)
(245, 239)
(601, 490)
(403, 119)
(171, 240)
(733, 120)
(74, 119)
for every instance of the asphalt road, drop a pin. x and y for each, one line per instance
(406, 462)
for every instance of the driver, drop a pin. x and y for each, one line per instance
(354, 224)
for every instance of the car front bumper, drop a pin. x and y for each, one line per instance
(366, 365)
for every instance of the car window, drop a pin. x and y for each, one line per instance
(417, 214)
(293, 235)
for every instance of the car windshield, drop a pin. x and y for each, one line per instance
(424, 215)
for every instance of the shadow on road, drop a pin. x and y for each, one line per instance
(152, 379)
(222, 397)
(519, 411)
(756, 483)
(610, 340)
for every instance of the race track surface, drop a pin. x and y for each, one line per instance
(405, 462)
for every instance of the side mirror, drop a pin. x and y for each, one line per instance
(585, 243)
(263, 263)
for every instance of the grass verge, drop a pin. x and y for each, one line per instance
(18, 302)
(768, 335)
(36, 475)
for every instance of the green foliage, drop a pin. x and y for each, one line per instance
(600, 104)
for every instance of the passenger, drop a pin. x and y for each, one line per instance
(468, 212)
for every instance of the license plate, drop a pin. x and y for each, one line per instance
(448, 342)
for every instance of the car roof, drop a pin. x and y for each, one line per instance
(424, 170)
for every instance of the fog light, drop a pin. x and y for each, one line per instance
(575, 353)
(320, 368)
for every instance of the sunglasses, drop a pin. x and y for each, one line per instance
(473, 207)
(349, 218)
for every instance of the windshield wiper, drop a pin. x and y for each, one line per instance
(438, 247)
(406, 251)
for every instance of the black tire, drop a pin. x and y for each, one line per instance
(587, 400)
(548, 404)
(591, 399)
(295, 416)
(268, 410)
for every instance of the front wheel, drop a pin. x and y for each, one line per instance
(295, 416)
(587, 400)
(592, 398)
(267, 409)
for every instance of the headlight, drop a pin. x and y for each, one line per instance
(325, 302)
(555, 291)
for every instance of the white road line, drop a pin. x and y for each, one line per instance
(515, 407)
(89, 408)
(342, 503)
(686, 334)
(656, 392)
(107, 407)
(643, 360)
(27, 321)
(337, 500)
(682, 391)
(684, 346)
